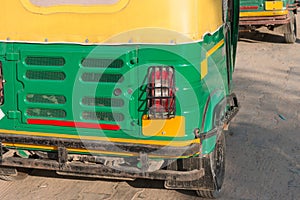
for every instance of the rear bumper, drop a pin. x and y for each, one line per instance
(264, 20)
(102, 171)
(90, 164)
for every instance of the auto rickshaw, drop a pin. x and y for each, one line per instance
(118, 88)
(277, 15)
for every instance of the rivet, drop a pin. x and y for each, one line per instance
(117, 92)
(132, 61)
(129, 91)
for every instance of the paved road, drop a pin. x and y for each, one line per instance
(263, 147)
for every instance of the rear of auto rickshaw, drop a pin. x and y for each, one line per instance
(277, 15)
(118, 88)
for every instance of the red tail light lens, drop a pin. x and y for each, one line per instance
(161, 92)
(248, 7)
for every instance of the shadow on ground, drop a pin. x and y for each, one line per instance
(262, 36)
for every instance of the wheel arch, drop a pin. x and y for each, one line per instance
(214, 109)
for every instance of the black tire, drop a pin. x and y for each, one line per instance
(217, 167)
(206, 194)
(291, 36)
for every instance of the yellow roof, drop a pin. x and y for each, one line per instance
(113, 22)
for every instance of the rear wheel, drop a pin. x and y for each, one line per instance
(217, 168)
(291, 35)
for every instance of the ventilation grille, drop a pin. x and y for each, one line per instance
(107, 102)
(47, 99)
(57, 71)
(43, 112)
(45, 61)
(106, 78)
(45, 75)
(103, 116)
(102, 63)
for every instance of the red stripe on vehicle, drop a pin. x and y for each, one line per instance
(73, 124)
(248, 7)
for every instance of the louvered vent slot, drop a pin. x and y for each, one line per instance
(107, 102)
(102, 63)
(47, 99)
(45, 61)
(106, 78)
(45, 75)
(44, 112)
(103, 116)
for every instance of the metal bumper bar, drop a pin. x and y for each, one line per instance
(265, 20)
(64, 163)
(98, 170)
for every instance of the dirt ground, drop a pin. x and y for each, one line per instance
(263, 145)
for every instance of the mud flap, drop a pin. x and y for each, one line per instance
(204, 183)
(285, 28)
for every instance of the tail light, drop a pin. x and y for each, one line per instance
(161, 92)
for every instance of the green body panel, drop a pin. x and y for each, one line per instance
(53, 88)
(218, 96)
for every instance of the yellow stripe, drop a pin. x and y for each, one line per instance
(121, 140)
(123, 154)
(69, 149)
(204, 63)
(215, 48)
(29, 146)
(204, 68)
(74, 150)
(265, 13)
(101, 152)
